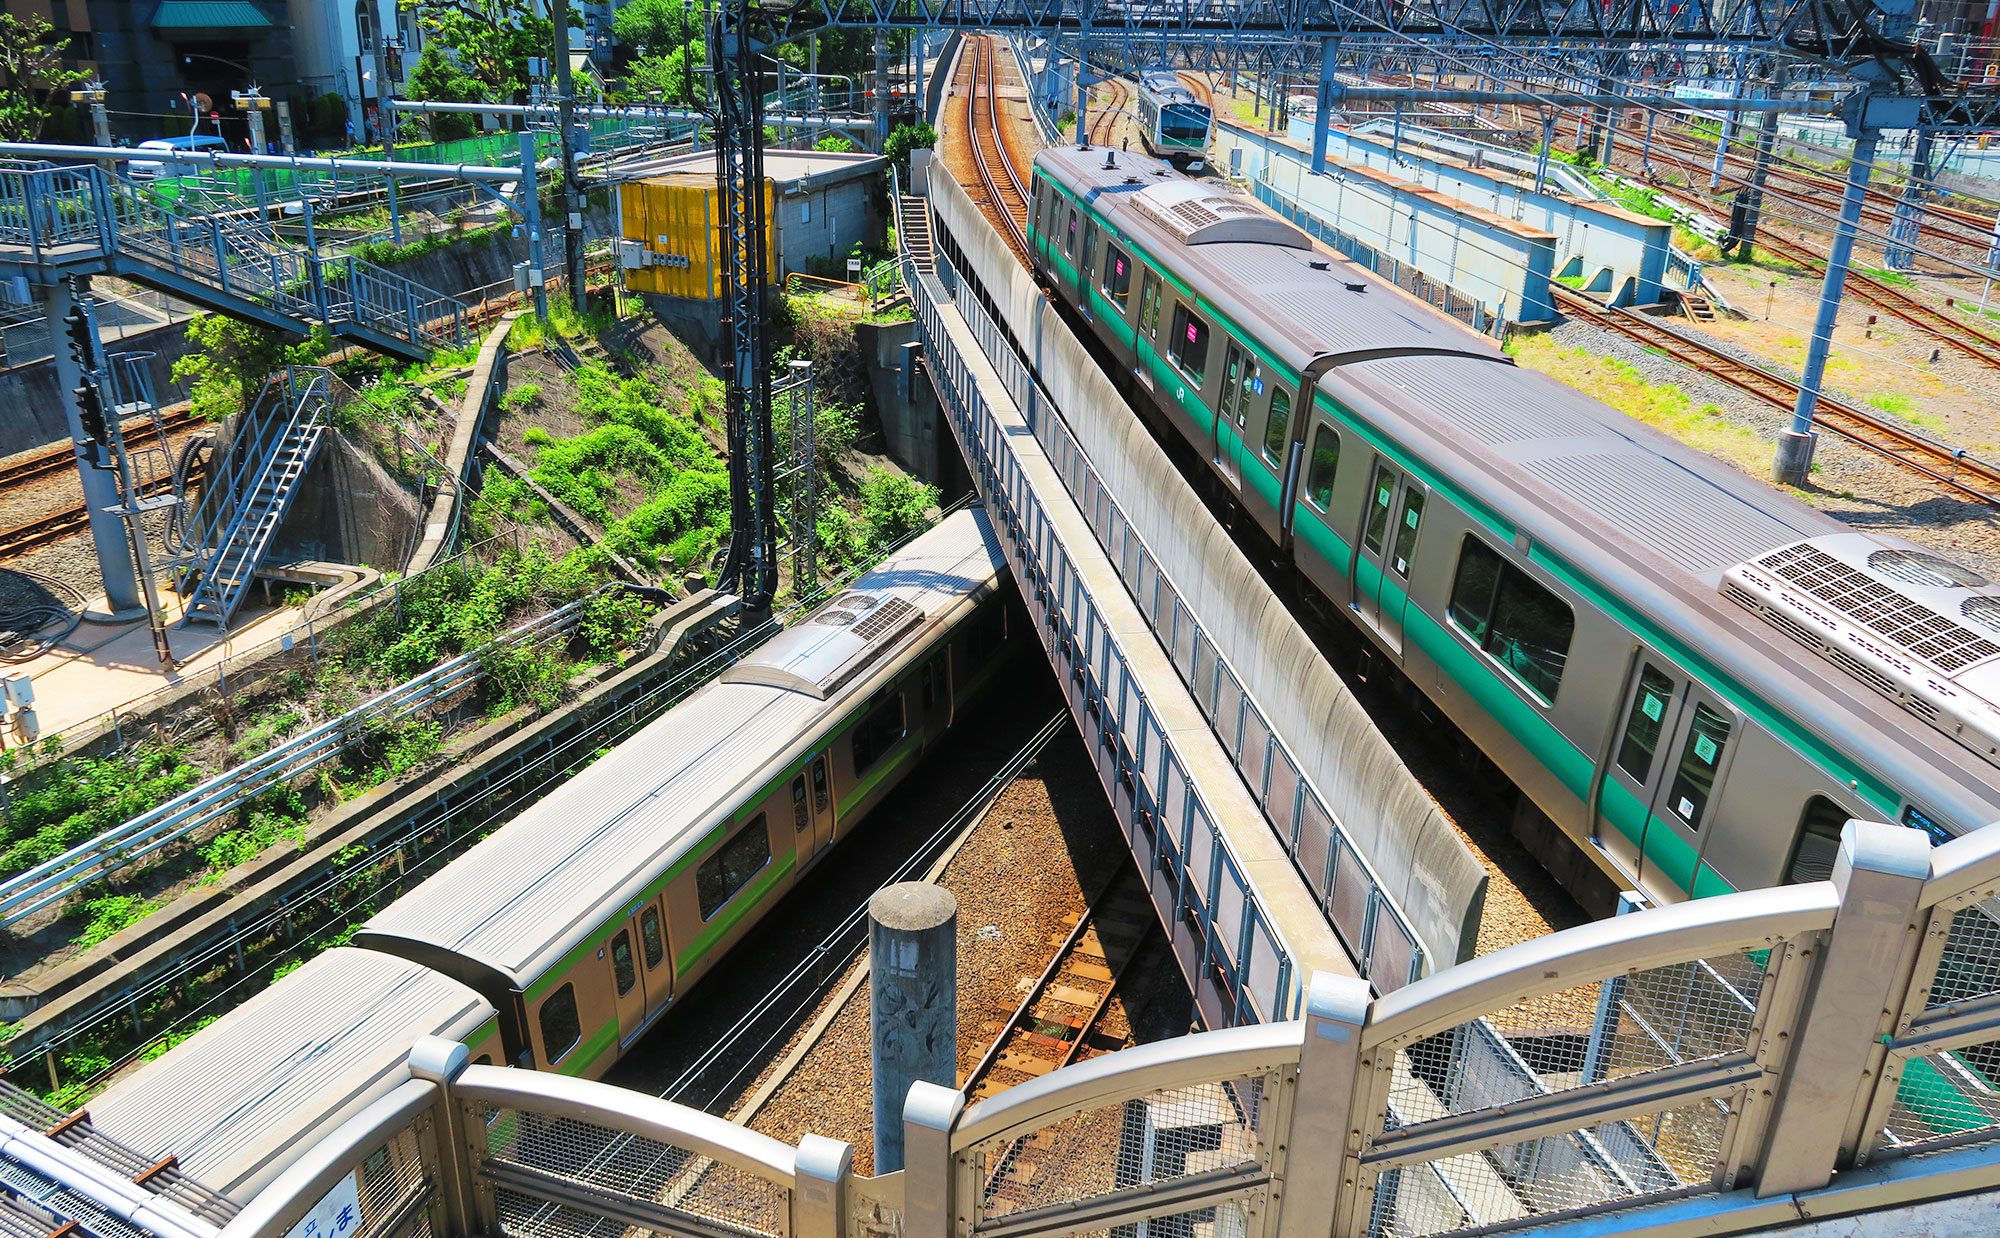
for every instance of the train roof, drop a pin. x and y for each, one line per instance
(238, 1101)
(1166, 86)
(1653, 519)
(523, 897)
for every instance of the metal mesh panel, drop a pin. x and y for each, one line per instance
(526, 1216)
(1671, 1152)
(1227, 1218)
(393, 1184)
(1947, 1095)
(1607, 1029)
(1144, 1141)
(624, 1169)
(1970, 964)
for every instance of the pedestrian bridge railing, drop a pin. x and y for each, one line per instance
(1719, 1066)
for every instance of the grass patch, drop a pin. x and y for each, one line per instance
(1883, 275)
(1902, 407)
(1662, 406)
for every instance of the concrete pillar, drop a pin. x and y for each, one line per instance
(1864, 966)
(100, 485)
(912, 1002)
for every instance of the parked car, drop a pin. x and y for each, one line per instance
(147, 169)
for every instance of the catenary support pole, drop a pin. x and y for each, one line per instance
(1795, 446)
(385, 124)
(881, 91)
(100, 485)
(1901, 253)
(572, 200)
(1329, 52)
(912, 1002)
(1760, 171)
(530, 200)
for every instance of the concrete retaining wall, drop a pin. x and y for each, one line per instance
(1614, 251)
(1422, 862)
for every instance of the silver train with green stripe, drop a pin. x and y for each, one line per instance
(558, 940)
(1691, 679)
(1173, 123)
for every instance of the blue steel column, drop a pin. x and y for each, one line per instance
(530, 193)
(1901, 254)
(1329, 50)
(1795, 446)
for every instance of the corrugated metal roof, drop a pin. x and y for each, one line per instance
(209, 15)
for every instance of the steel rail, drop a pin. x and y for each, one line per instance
(54, 458)
(1951, 468)
(984, 91)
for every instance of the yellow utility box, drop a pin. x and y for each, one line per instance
(672, 230)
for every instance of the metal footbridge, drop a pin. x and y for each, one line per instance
(62, 221)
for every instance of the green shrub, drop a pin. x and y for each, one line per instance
(520, 396)
(106, 917)
(893, 506)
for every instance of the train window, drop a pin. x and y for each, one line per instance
(1325, 463)
(1517, 622)
(650, 938)
(1406, 530)
(1694, 781)
(1384, 491)
(561, 1029)
(1188, 345)
(1642, 728)
(1069, 242)
(731, 868)
(1117, 276)
(801, 815)
(623, 970)
(1819, 841)
(877, 733)
(1083, 266)
(819, 784)
(1278, 426)
(1149, 305)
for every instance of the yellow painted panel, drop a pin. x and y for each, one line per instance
(678, 221)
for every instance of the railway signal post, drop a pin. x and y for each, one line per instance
(77, 360)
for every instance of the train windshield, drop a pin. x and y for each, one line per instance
(1184, 121)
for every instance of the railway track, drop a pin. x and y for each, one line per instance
(1966, 475)
(1006, 193)
(41, 531)
(59, 456)
(1105, 126)
(1062, 1016)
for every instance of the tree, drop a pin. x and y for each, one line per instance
(31, 72)
(893, 506)
(905, 138)
(836, 144)
(655, 27)
(666, 74)
(490, 42)
(437, 79)
(231, 359)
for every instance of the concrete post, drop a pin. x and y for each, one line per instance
(441, 1062)
(1795, 446)
(819, 1203)
(1323, 1101)
(100, 485)
(286, 141)
(912, 1002)
(930, 1205)
(1864, 967)
(530, 193)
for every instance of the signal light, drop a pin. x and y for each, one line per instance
(82, 348)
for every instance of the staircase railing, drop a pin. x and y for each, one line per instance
(47, 208)
(228, 564)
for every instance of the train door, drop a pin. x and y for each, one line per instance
(627, 981)
(1237, 370)
(1149, 321)
(934, 696)
(1667, 765)
(659, 975)
(812, 811)
(1084, 266)
(1390, 525)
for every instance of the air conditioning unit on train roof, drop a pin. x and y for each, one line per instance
(1203, 214)
(1915, 627)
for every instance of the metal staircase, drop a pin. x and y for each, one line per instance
(69, 220)
(252, 490)
(913, 229)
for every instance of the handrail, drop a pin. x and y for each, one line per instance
(1165, 1065)
(298, 1190)
(1965, 865)
(1697, 929)
(647, 1117)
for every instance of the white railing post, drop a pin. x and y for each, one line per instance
(929, 1173)
(1864, 969)
(819, 1189)
(441, 1061)
(1313, 1175)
